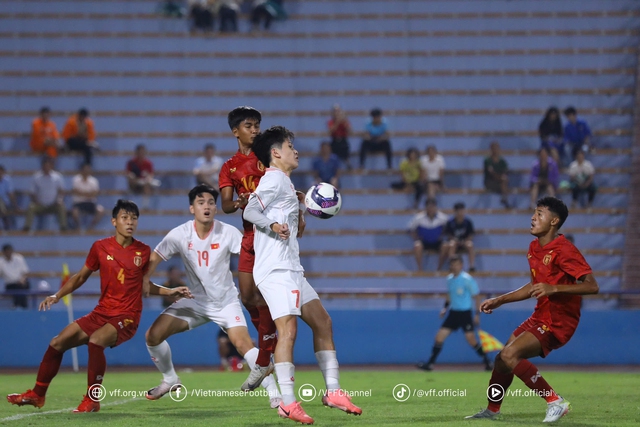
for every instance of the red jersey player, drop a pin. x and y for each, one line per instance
(559, 276)
(242, 173)
(122, 262)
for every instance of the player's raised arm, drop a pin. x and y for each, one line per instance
(180, 291)
(72, 284)
(521, 294)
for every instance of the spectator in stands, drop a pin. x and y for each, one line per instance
(433, 167)
(85, 189)
(411, 174)
(582, 172)
(7, 199)
(326, 167)
(267, 11)
(201, 14)
(459, 233)
(427, 231)
(339, 130)
(174, 280)
(45, 138)
(14, 271)
(47, 195)
(550, 131)
(544, 177)
(376, 137)
(80, 134)
(496, 174)
(140, 175)
(227, 11)
(577, 132)
(207, 168)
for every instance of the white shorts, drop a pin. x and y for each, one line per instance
(285, 292)
(196, 314)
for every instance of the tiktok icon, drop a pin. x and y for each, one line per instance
(401, 392)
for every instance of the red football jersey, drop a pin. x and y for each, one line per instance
(243, 173)
(557, 263)
(121, 273)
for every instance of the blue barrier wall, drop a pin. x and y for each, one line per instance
(603, 337)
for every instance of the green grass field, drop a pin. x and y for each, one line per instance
(597, 398)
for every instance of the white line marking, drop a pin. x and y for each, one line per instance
(60, 411)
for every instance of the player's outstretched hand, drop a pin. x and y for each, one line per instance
(181, 291)
(242, 201)
(542, 290)
(48, 302)
(489, 305)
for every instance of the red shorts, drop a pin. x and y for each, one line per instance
(125, 324)
(542, 333)
(247, 254)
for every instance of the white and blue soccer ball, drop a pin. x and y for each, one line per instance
(323, 200)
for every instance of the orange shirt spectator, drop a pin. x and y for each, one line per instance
(44, 134)
(72, 129)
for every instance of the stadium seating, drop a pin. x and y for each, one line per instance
(457, 74)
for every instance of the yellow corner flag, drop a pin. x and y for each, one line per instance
(65, 278)
(489, 342)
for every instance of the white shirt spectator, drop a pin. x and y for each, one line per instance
(47, 188)
(91, 185)
(15, 270)
(206, 261)
(433, 167)
(211, 168)
(580, 173)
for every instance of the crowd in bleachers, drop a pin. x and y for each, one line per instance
(561, 164)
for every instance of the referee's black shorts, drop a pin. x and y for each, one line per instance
(459, 319)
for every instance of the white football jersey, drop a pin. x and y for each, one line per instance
(206, 261)
(275, 197)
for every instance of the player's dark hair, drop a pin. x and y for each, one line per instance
(125, 205)
(2, 168)
(201, 189)
(207, 146)
(431, 202)
(140, 147)
(240, 114)
(7, 247)
(458, 206)
(376, 112)
(556, 207)
(273, 137)
(45, 110)
(47, 159)
(83, 112)
(570, 111)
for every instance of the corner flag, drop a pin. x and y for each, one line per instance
(65, 278)
(489, 342)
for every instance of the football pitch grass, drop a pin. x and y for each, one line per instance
(598, 398)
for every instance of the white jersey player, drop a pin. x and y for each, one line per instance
(273, 209)
(205, 246)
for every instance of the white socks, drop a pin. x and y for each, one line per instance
(251, 356)
(285, 372)
(161, 356)
(328, 363)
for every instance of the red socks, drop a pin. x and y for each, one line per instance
(529, 375)
(97, 365)
(266, 336)
(48, 369)
(255, 316)
(504, 380)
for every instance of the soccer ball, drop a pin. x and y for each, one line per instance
(323, 200)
